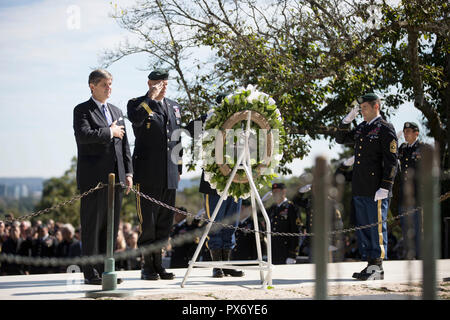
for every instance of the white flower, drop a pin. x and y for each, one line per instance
(253, 97)
(271, 101)
(230, 98)
(278, 114)
(263, 96)
(251, 87)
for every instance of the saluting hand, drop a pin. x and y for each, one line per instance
(155, 90)
(352, 114)
(118, 131)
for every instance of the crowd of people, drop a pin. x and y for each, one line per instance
(54, 240)
(62, 240)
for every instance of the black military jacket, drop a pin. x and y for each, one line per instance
(245, 248)
(375, 155)
(153, 126)
(284, 218)
(409, 158)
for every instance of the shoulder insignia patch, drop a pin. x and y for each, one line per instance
(146, 107)
(393, 146)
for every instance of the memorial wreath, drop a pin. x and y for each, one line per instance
(267, 133)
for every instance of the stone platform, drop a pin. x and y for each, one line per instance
(65, 286)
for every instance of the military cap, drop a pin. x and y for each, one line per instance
(278, 186)
(221, 96)
(411, 125)
(367, 97)
(159, 74)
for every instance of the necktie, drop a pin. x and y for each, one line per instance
(163, 107)
(106, 114)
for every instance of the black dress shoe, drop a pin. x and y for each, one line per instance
(233, 273)
(94, 281)
(119, 280)
(166, 275)
(218, 273)
(149, 275)
(373, 272)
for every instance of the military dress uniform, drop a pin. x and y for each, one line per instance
(284, 218)
(157, 163)
(409, 158)
(375, 145)
(303, 200)
(183, 253)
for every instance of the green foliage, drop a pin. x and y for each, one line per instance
(60, 189)
(313, 57)
(57, 190)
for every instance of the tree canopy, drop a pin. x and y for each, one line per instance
(313, 56)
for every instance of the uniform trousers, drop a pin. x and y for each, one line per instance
(94, 222)
(155, 220)
(411, 223)
(224, 238)
(372, 241)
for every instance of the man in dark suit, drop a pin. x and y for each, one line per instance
(102, 149)
(157, 164)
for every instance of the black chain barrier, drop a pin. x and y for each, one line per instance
(176, 241)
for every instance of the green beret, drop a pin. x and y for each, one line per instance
(159, 74)
(411, 125)
(367, 97)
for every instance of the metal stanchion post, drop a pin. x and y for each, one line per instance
(321, 226)
(429, 197)
(109, 277)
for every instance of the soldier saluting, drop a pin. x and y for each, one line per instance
(157, 170)
(374, 170)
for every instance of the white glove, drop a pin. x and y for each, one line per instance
(352, 114)
(349, 162)
(305, 189)
(381, 194)
(291, 261)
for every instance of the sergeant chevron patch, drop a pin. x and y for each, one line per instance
(393, 146)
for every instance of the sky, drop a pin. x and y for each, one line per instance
(47, 50)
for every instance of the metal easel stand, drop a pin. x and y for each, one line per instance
(263, 266)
